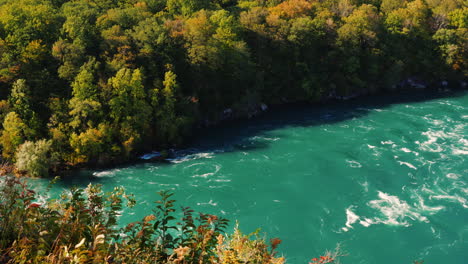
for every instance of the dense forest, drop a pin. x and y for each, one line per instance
(98, 81)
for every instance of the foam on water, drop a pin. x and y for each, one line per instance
(453, 176)
(353, 164)
(211, 203)
(205, 155)
(454, 198)
(405, 150)
(207, 174)
(393, 211)
(351, 218)
(265, 138)
(107, 173)
(460, 152)
(431, 144)
(222, 180)
(407, 164)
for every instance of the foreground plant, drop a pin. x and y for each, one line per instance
(329, 256)
(81, 227)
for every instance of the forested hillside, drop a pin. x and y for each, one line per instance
(96, 81)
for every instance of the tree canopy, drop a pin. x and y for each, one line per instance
(102, 80)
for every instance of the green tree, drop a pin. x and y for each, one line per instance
(85, 106)
(20, 98)
(24, 21)
(70, 55)
(91, 145)
(357, 45)
(411, 19)
(388, 6)
(458, 18)
(453, 48)
(28, 29)
(219, 59)
(129, 109)
(14, 133)
(115, 26)
(21, 101)
(167, 120)
(4, 109)
(186, 7)
(80, 37)
(80, 23)
(408, 40)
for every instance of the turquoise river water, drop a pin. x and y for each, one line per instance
(386, 177)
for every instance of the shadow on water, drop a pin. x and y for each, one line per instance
(302, 115)
(242, 135)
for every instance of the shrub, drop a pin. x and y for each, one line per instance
(33, 158)
(81, 227)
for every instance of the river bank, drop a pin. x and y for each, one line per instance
(410, 87)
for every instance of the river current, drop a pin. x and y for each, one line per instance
(385, 177)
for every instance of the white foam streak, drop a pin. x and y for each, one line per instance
(209, 203)
(265, 138)
(426, 208)
(409, 165)
(351, 217)
(460, 152)
(108, 173)
(206, 155)
(430, 145)
(389, 142)
(366, 222)
(454, 198)
(453, 176)
(354, 164)
(392, 211)
(395, 211)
